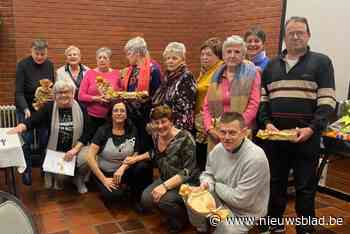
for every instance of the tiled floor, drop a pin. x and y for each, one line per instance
(67, 212)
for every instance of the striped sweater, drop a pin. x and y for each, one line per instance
(302, 97)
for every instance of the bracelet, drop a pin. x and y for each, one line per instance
(166, 188)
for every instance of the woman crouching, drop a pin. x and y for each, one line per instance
(174, 154)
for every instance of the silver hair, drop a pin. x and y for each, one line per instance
(176, 48)
(234, 40)
(106, 50)
(39, 44)
(70, 48)
(62, 84)
(137, 45)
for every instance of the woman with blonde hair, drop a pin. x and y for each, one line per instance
(73, 71)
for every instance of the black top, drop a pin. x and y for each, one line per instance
(302, 97)
(114, 149)
(65, 132)
(105, 132)
(43, 118)
(28, 74)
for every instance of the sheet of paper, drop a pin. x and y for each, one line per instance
(9, 141)
(54, 163)
(11, 153)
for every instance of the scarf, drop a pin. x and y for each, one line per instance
(159, 96)
(239, 90)
(78, 123)
(143, 78)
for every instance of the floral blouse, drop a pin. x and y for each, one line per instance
(178, 91)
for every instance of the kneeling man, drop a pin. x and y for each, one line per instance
(237, 175)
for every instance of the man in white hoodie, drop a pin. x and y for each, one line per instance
(237, 174)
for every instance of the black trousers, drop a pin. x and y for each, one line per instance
(171, 205)
(303, 159)
(93, 124)
(137, 178)
(201, 155)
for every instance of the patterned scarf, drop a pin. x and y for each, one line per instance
(240, 89)
(143, 77)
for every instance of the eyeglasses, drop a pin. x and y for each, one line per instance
(296, 33)
(64, 92)
(119, 110)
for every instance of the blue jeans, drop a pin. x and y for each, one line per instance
(28, 138)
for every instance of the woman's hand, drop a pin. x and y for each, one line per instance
(158, 192)
(109, 184)
(130, 160)
(117, 177)
(271, 127)
(99, 99)
(214, 134)
(69, 155)
(18, 129)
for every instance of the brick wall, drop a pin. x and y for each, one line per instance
(228, 18)
(7, 52)
(92, 24)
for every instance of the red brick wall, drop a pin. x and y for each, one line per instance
(92, 24)
(7, 52)
(228, 18)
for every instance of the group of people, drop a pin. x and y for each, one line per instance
(194, 130)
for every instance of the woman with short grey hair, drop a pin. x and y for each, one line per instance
(142, 74)
(73, 71)
(235, 41)
(137, 45)
(235, 87)
(98, 104)
(65, 121)
(178, 90)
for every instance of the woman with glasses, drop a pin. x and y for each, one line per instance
(65, 121)
(112, 143)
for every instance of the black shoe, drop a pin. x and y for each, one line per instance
(27, 178)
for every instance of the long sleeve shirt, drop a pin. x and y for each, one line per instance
(302, 97)
(88, 90)
(241, 180)
(28, 75)
(250, 111)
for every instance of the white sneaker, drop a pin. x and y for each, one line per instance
(48, 180)
(79, 182)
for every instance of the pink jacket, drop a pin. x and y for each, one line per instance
(88, 89)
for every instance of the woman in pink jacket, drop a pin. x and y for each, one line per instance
(235, 87)
(97, 105)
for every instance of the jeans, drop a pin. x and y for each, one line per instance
(28, 139)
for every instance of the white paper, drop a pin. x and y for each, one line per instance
(54, 163)
(11, 153)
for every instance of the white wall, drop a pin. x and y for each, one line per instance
(330, 34)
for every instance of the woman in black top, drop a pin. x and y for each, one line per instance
(65, 122)
(112, 143)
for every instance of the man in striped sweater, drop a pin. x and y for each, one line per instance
(297, 93)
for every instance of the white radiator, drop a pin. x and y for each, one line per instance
(8, 116)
